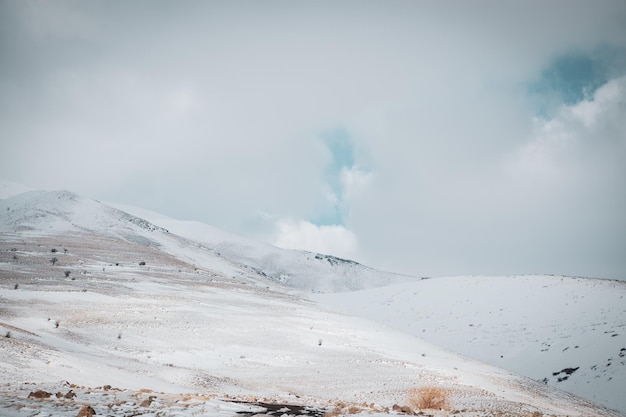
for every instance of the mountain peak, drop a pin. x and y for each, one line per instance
(62, 210)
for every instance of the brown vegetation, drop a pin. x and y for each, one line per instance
(430, 398)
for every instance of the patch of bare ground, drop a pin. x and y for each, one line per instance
(87, 262)
(78, 401)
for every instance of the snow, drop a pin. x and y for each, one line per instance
(536, 326)
(202, 327)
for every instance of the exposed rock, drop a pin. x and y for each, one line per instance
(39, 394)
(70, 394)
(86, 411)
(147, 402)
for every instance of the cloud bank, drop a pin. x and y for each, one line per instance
(419, 137)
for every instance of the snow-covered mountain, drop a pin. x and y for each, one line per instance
(120, 310)
(65, 211)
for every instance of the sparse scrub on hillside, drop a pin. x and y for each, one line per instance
(67, 274)
(54, 261)
(430, 398)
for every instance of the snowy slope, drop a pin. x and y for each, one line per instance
(568, 332)
(130, 305)
(302, 270)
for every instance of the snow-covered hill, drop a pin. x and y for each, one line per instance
(128, 309)
(567, 332)
(68, 212)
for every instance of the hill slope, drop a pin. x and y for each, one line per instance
(567, 332)
(130, 305)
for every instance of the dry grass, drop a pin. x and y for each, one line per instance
(429, 398)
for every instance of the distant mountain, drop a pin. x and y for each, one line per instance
(563, 331)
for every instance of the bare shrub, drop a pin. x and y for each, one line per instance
(54, 261)
(67, 273)
(430, 398)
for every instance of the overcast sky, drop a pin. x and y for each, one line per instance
(431, 138)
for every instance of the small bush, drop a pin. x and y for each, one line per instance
(54, 261)
(67, 273)
(53, 250)
(142, 263)
(430, 398)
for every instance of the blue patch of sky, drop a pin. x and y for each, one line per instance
(575, 76)
(339, 144)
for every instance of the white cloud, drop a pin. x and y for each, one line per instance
(213, 112)
(332, 239)
(579, 141)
